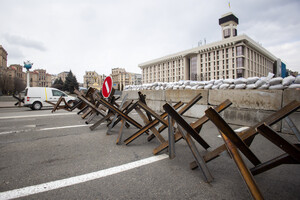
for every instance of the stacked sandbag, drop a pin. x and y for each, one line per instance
(262, 83)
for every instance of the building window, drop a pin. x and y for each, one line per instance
(234, 32)
(193, 68)
(240, 73)
(240, 62)
(226, 33)
(240, 50)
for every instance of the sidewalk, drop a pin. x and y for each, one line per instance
(8, 104)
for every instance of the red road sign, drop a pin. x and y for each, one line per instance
(107, 86)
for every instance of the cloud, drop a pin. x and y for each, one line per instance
(24, 42)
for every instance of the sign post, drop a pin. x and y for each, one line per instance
(107, 87)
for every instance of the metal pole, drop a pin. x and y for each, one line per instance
(28, 77)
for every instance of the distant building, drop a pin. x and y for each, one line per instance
(39, 78)
(63, 75)
(92, 78)
(3, 58)
(233, 57)
(121, 78)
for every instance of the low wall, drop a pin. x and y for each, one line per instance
(248, 106)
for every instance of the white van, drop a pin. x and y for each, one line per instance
(35, 97)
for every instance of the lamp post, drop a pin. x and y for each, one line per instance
(28, 66)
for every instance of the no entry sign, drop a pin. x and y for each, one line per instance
(107, 87)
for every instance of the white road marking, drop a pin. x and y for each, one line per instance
(45, 115)
(43, 129)
(62, 127)
(30, 190)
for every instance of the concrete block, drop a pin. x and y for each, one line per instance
(132, 95)
(157, 95)
(290, 95)
(186, 95)
(295, 117)
(251, 99)
(247, 117)
(196, 111)
(156, 106)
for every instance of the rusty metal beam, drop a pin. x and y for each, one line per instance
(171, 138)
(269, 120)
(244, 171)
(198, 157)
(276, 139)
(183, 110)
(234, 138)
(148, 126)
(196, 125)
(282, 159)
(185, 125)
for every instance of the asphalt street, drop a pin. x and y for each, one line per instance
(40, 147)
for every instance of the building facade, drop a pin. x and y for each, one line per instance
(39, 78)
(121, 78)
(92, 78)
(233, 57)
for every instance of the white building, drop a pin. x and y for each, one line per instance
(233, 57)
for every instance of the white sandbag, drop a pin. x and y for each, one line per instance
(250, 86)
(162, 88)
(181, 87)
(240, 86)
(218, 82)
(208, 86)
(270, 76)
(288, 80)
(228, 81)
(260, 83)
(175, 87)
(265, 86)
(231, 86)
(200, 87)
(297, 80)
(294, 86)
(187, 83)
(215, 87)
(194, 87)
(277, 87)
(188, 87)
(240, 81)
(210, 82)
(275, 81)
(193, 83)
(202, 83)
(224, 86)
(252, 80)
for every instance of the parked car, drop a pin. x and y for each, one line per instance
(36, 97)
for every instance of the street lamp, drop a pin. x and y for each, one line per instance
(28, 66)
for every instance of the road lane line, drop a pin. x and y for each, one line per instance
(35, 189)
(43, 129)
(62, 127)
(45, 115)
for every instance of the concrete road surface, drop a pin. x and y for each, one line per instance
(56, 156)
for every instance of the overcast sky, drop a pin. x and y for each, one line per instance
(100, 35)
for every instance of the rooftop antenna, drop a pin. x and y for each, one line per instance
(200, 43)
(204, 41)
